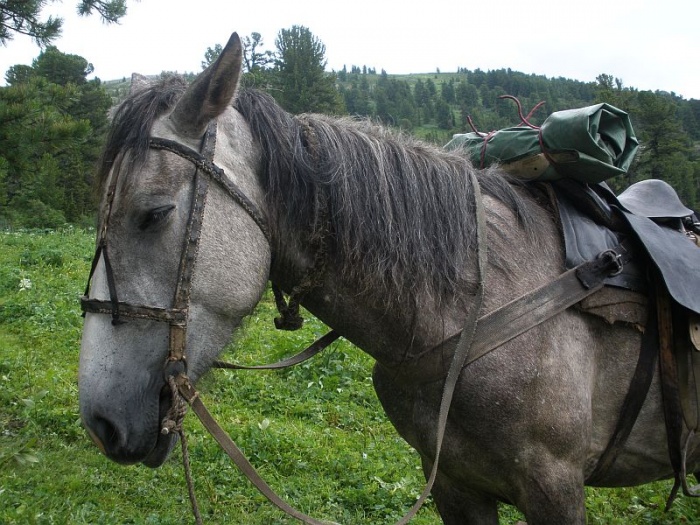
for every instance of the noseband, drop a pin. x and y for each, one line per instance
(176, 315)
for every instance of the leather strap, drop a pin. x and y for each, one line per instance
(229, 446)
(535, 307)
(636, 395)
(687, 371)
(688, 360)
(312, 350)
(527, 311)
(133, 311)
(464, 346)
(218, 175)
(669, 387)
(178, 329)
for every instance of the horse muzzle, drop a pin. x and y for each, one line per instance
(125, 445)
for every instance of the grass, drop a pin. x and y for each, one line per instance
(316, 432)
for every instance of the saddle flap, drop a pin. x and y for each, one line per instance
(676, 257)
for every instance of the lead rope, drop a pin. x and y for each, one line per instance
(172, 422)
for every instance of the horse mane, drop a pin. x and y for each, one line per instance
(399, 212)
(133, 120)
(395, 214)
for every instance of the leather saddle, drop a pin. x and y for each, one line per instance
(665, 231)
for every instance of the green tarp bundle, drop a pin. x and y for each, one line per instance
(589, 144)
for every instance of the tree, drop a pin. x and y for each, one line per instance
(254, 59)
(444, 116)
(18, 74)
(666, 148)
(23, 17)
(36, 134)
(211, 54)
(61, 68)
(611, 91)
(52, 125)
(302, 83)
(447, 91)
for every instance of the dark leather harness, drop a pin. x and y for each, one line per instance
(478, 337)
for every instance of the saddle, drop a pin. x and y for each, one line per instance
(663, 280)
(651, 214)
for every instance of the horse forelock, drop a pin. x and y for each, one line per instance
(399, 213)
(133, 120)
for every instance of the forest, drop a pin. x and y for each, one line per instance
(53, 120)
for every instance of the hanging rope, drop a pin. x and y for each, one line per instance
(172, 422)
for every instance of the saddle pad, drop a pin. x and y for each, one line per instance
(676, 257)
(616, 305)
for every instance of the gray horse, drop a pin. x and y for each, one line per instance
(377, 232)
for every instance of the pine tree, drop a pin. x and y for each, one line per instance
(303, 85)
(52, 124)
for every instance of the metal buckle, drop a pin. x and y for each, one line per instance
(614, 259)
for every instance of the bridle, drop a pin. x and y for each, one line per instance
(175, 366)
(177, 314)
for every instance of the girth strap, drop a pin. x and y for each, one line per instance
(669, 388)
(634, 400)
(674, 346)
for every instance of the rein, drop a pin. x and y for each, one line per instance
(505, 323)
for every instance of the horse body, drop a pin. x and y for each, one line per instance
(528, 421)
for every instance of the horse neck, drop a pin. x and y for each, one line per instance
(519, 260)
(390, 333)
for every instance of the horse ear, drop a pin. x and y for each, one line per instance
(211, 92)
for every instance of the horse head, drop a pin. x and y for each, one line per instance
(174, 258)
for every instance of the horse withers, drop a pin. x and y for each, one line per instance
(379, 232)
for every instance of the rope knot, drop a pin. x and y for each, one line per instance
(172, 422)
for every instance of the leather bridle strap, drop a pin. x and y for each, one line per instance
(309, 352)
(188, 392)
(464, 345)
(178, 329)
(206, 165)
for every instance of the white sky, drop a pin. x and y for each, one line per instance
(649, 44)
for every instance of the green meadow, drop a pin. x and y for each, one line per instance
(316, 432)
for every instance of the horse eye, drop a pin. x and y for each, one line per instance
(155, 216)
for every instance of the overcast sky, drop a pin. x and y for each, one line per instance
(648, 44)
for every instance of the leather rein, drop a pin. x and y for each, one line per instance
(478, 337)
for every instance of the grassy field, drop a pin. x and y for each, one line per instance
(317, 432)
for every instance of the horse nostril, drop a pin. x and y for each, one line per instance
(103, 433)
